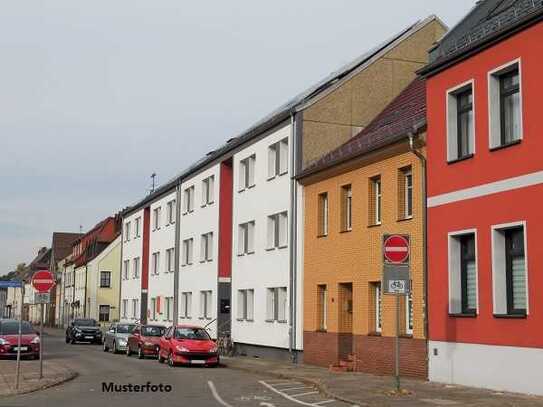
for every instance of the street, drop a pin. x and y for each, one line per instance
(189, 386)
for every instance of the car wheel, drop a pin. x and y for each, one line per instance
(105, 348)
(67, 340)
(114, 349)
(171, 363)
(160, 358)
(72, 341)
(128, 351)
(140, 353)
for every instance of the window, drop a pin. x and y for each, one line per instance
(277, 231)
(323, 214)
(156, 263)
(246, 305)
(135, 308)
(247, 173)
(170, 208)
(126, 265)
(125, 308)
(187, 251)
(463, 273)
(156, 218)
(346, 208)
(153, 309)
(322, 307)
(169, 308)
(103, 315)
(505, 105)
(188, 202)
(137, 223)
(170, 260)
(409, 314)
(136, 267)
(378, 307)
(208, 186)
(105, 279)
(206, 247)
(278, 158)
(509, 266)
(405, 193)
(205, 304)
(186, 304)
(460, 122)
(276, 304)
(375, 204)
(127, 232)
(246, 238)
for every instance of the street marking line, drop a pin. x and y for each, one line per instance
(297, 388)
(285, 383)
(285, 395)
(319, 403)
(216, 395)
(304, 394)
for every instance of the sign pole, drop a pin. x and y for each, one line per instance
(41, 342)
(18, 366)
(397, 350)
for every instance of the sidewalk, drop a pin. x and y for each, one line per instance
(54, 373)
(367, 390)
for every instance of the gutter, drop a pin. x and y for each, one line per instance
(177, 250)
(423, 162)
(292, 246)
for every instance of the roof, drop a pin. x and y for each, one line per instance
(405, 114)
(62, 244)
(488, 21)
(284, 112)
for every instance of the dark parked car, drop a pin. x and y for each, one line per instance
(188, 345)
(145, 340)
(83, 330)
(30, 340)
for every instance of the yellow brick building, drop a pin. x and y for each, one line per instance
(367, 188)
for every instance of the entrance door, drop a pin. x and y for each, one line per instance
(345, 337)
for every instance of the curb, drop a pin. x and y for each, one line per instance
(72, 375)
(323, 389)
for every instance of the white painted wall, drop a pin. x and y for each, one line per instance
(503, 368)
(160, 240)
(264, 268)
(131, 287)
(200, 275)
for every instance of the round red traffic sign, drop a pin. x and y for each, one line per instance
(396, 249)
(43, 281)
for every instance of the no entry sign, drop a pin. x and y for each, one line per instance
(396, 249)
(43, 281)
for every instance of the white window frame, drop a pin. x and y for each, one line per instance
(206, 304)
(156, 263)
(451, 119)
(137, 227)
(170, 260)
(156, 218)
(127, 231)
(408, 173)
(188, 247)
(494, 108)
(277, 233)
(378, 308)
(206, 247)
(136, 267)
(278, 156)
(500, 307)
(171, 206)
(246, 238)
(378, 199)
(246, 176)
(208, 189)
(409, 300)
(125, 308)
(188, 200)
(323, 197)
(153, 309)
(454, 270)
(126, 269)
(186, 304)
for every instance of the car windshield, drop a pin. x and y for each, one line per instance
(125, 329)
(197, 334)
(84, 322)
(152, 331)
(12, 328)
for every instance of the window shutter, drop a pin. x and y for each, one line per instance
(471, 285)
(250, 304)
(269, 304)
(251, 237)
(519, 282)
(241, 175)
(240, 304)
(283, 154)
(271, 160)
(203, 243)
(211, 189)
(271, 232)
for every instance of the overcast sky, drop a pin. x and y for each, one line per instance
(97, 95)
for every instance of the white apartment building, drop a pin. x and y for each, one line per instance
(131, 266)
(162, 259)
(199, 248)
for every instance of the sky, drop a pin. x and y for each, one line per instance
(95, 96)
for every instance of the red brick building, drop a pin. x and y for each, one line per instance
(485, 185)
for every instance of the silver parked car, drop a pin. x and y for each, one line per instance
(116, 337)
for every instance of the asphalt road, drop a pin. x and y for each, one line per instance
(190, 386)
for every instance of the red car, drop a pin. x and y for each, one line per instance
(188, 345)
(144, 340)
(30, 340)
